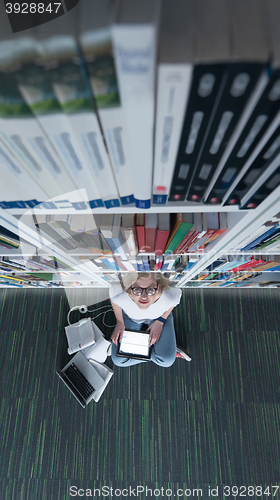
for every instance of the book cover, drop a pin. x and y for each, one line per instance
(173, 84)
(257, 240)
(129, 234)
(151, 221)
(193, 235)
(69, 81)
(110, 228)
(263, 187)
(21, 133)
(259, 165)
(248, 56)
(163, 232)
(140, 231)
(97, 46)
(211, 49)
(135, 41)
(185, 225)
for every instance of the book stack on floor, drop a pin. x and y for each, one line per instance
(155, 102)
(86, 338)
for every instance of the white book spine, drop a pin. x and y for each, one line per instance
(20, 136)
(15, 179)
(62, 137)
(128, 265)
(173, 89)
(134, 47)
(112, 124)
(91, 144)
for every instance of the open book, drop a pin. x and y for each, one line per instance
(80, 335)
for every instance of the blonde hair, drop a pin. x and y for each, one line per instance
(130, 278)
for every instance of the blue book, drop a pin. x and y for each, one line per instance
(276, 268)
(228, 266)
(255, 242)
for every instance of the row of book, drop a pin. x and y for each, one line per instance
(124, 235)
(264, 238)
(165, 264)
(240, 264)
(251, 280)
(80, 100)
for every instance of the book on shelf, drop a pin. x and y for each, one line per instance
(247, 265)
(96, 42)
(267, 266)
(20, 132)
(145, 262)
(270, 242)
(162, 234)
(139, 263)
(152, 262)
(8, 238)
(129, 234)
(69, 172)
(193, 235)
(83, 222)
(174, 73)
(84, 140)
(183, 223)
(267, 239)
(276, 268)
(76, 100)
(110, 227)
(258, 152)
(243, 184)
(119, 263)
(262, 188)
(243, 74)
(18, 189)
(135, 41)
(159, 262)
(257, 120)
(53, 232)
(140, 232)
(151, 222)
(216, 226)
(254, 242)
(211, 50)
(169, 262)
(252, 236)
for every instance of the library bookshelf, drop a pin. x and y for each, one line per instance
(47, 131)
(75, 268)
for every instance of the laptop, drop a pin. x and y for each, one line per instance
(135, 345)
(81, 378)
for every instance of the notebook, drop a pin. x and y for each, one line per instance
(135, 344)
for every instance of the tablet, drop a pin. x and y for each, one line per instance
(135, 345)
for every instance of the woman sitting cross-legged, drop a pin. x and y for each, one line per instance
(146, 298)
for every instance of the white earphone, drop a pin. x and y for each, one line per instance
(83, 309)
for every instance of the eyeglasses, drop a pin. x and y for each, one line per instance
(149, 290)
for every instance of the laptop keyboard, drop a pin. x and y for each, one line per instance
(79, 381)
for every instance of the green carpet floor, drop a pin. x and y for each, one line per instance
(209, 423)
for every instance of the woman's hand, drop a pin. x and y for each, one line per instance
(155, 330)
(118, 332)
